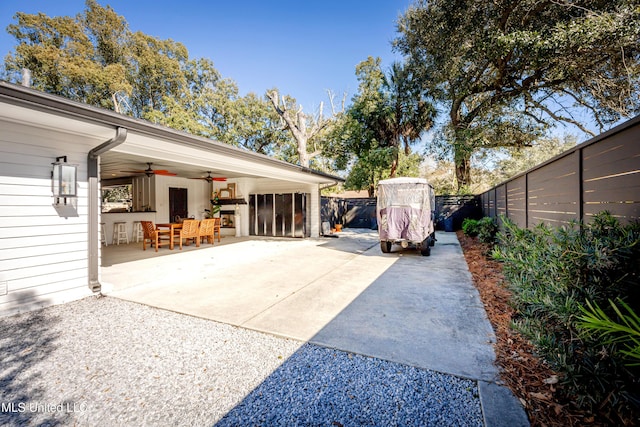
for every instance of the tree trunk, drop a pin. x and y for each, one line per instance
(303, 156)
(394, 167)
(297, 124)
(462, 160)
(396, 156)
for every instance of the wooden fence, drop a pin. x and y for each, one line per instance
(600, 174)
(361, 212)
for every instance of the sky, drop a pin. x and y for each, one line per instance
(303, 48)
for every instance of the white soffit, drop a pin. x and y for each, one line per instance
(239, 165)
(55, 123)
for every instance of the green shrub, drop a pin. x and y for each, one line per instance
(487, 230)
(625, 330)
(470, 227)
(552, 273)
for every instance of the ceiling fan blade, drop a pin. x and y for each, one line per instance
(164, 173)
(210, 178)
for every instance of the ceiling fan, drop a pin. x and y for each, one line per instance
(210, 178)
(149, 172)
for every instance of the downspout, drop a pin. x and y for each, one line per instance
(93, 178)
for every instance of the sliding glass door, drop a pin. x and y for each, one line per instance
(281, 215)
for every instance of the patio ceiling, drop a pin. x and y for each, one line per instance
(115, 165)
(193, 159)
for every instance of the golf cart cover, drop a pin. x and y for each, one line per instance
(404, 209)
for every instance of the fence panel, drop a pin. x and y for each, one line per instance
(361, 213)
(517, 201)
(554, 192)
(501, 200)
(491, 203)
(611, 173)
(600, 174)
(452, 210)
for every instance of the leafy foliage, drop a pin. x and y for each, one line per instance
(470, 227)
(504, 71)
(96, 59)
(625, 331)
(387, 115)
(487, 229)
(553, 272)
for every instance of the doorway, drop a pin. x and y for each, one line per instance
(178, 206)
(282, 215)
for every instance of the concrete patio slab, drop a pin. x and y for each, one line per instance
(236, 283)
(422, 311)
(342, 293)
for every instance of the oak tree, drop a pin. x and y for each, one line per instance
(504, 71)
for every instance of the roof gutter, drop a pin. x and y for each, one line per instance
(93, 164)
(332, 184)
(94, 154)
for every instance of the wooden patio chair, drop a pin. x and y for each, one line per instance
(190, 231)
(208, 228)
(154, 236)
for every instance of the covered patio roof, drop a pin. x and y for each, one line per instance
(186, 155)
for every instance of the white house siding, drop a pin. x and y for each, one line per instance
(43, 255)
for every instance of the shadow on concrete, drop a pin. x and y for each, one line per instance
(25, 344)
(421, 311)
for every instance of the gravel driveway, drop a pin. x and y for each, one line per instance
(104, 361)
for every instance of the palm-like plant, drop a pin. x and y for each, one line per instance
(404, 112)
(626, 331)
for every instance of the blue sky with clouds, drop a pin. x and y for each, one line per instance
(301, 47)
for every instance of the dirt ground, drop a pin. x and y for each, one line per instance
(534, 383)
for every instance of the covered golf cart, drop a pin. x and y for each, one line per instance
(406, 213)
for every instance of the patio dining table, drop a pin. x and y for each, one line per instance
(173, 226)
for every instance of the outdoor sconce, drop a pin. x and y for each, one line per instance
(64, 180)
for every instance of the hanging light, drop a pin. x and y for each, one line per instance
(64, 179)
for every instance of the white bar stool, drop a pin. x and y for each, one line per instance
(138, 233)
(103, 234)
(120, 233)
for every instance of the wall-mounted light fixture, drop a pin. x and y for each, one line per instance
(64, 180)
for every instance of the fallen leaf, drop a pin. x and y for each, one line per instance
(540, 396)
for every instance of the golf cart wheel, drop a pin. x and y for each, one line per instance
(385, 246)
(425, 250)
(432, 239)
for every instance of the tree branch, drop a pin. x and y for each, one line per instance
(558, 117)
(284, 113)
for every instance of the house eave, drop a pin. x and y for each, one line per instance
(56, 105)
